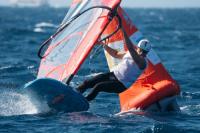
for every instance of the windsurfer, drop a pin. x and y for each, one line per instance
(124, 74)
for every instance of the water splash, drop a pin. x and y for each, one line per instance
(15, 103)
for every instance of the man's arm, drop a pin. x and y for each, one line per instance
(139, 60)
(114, 53)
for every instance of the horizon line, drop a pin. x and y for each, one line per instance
(136, 7)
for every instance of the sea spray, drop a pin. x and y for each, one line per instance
(17, 103)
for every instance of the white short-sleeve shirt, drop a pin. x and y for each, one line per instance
(127, 71)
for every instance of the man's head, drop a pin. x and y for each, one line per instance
(143, 47)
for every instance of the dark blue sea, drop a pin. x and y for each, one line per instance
(175, 34)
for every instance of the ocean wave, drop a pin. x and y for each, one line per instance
(40, 30)
(31, 67)
(5, 67)
(43, 27)
(190, 95)
(18, 31)
(131, 112)
(45, 24)
(191, 109)
(12, 68)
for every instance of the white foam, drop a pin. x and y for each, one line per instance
(5, 67)
(39, 30)
(45, 24)
(130, 112)
(13, 103)
(40, 27)
(30, 67)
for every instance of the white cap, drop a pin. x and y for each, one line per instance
(144, 45)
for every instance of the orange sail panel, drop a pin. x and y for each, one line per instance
(69, 48)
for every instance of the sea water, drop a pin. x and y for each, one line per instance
(175, 35)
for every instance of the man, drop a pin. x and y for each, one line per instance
(124, 74)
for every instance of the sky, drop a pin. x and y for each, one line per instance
(135, 3)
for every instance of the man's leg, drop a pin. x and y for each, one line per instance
(93, 81)
(107, 86)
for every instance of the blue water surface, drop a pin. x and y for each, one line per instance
(175, 34)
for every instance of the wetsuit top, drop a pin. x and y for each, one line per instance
(127, 71)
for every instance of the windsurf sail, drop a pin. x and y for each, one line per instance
(75, 38)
